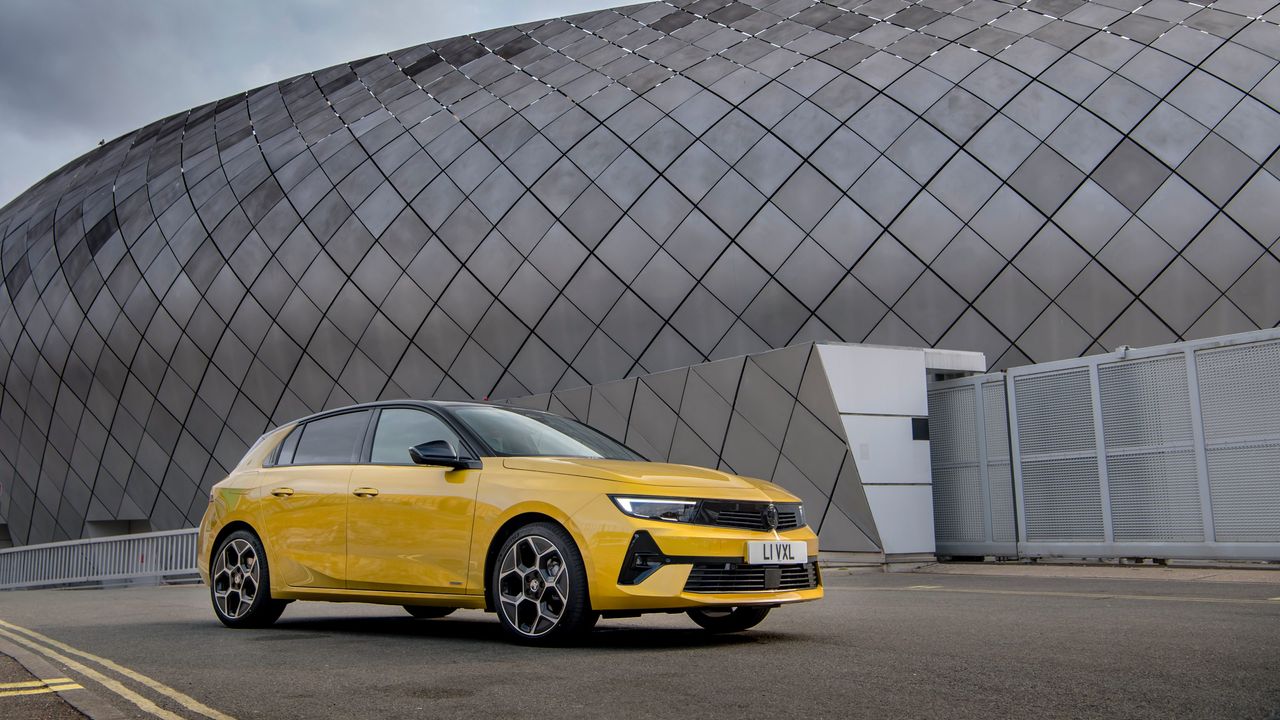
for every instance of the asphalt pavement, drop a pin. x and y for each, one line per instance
(901, 645)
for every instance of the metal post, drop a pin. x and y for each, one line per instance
(1198, 442)
(1100, 444)
(980, 415)
(1015, 462)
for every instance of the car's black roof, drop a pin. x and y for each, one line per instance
(402, 402)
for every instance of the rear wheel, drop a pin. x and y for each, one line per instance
(727, 620)
(425, 612)
(240, 583)
(539, 586)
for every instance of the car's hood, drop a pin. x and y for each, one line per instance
(648, 473)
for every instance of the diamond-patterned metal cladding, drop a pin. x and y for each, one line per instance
(627, 191)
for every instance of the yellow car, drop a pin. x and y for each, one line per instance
(551, 524)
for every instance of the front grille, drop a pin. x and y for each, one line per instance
(748, 515)
(733, 577)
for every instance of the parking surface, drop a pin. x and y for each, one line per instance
(881, 645)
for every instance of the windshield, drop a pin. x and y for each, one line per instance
(513, 432)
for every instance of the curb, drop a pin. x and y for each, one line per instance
(86, 701)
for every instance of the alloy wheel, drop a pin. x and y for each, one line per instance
(533, 586)
(236, 578)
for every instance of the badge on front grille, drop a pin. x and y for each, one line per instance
(771, 516)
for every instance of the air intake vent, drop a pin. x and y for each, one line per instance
(734, 577)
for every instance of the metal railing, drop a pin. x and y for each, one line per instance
(166, 555)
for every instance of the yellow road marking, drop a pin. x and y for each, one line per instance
(40, 690)
(1048, 593)
(111, 684)
(33, 683)
(182, 699)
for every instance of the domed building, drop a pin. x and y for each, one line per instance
(590, 198)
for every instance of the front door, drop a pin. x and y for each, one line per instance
(409, 526)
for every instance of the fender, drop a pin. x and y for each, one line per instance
(483, 539)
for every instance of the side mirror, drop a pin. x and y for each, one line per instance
(440, 453)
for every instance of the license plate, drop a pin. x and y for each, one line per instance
(776, 552)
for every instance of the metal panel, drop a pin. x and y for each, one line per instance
(958, 514)
(1145, 402)
(1155, 497)
(972, 485)
(1239, 395)
(1004, 528)
(1240, 406)
(1245, 486)
(1062, 500)
(958, 510)
(1151, 465)
(1058, 479)
(1055, 415)
(999, 472)
(1169, 452)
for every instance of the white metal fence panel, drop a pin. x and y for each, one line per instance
(1166, 452)
(167, 554)
(1151, 460)
(972, 486)
(1056, 435)
(1240, 404)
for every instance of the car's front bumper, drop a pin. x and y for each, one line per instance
(673, 553)
(666, 588)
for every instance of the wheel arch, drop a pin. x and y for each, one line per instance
(509, 527)
(226, 530)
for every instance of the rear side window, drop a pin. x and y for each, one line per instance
(400, 429)
(330, 440)
(290, 444)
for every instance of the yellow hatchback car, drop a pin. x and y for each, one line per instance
(444, 505)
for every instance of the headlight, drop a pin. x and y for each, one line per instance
(655, 508)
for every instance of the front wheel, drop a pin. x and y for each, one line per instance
(729, 620)
(240, 583)
(540, 586)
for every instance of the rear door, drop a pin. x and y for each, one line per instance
(409, 526)
(304, 505)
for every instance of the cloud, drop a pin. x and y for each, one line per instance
(72, 73)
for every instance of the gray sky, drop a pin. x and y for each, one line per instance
(75, 72)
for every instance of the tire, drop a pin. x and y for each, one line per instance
(539, 586)
(729, 620)
(425, 612)
(240, 583)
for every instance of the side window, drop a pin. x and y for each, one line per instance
(400, 429)
(330, 440)
(290, 444)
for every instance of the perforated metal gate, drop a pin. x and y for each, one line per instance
(1166, 452)
(973, 507)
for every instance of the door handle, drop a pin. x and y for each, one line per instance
(365, 492)
(282, 492)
